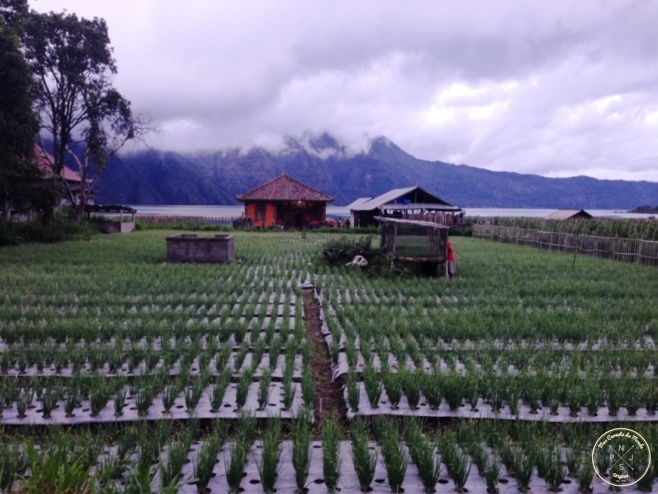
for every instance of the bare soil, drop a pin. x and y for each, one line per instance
(328, 394)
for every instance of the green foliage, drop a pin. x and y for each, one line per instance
(331, 453)
(338, 252)
(599, 227)
(61, 229)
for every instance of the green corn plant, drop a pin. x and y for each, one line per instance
(364, 460)
(331, 453)
(269, 464)
(301, 449)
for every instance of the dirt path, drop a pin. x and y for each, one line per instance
(329, 394)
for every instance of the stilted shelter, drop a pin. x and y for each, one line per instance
(285, 202)
(422, 243)
(412, 203)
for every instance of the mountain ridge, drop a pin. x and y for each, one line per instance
(217, 177)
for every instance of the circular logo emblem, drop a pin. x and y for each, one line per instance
(621, 457)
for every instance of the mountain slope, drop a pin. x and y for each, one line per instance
(154, 177)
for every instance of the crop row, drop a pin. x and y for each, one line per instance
(83, 400)
(408, 356)
(202, 355)
(161, 458)
(527, 398)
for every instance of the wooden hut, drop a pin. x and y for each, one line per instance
(285, 202)
(412, 203)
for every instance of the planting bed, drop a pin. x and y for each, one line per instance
(135, 350)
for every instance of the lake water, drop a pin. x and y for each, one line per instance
(230, 212)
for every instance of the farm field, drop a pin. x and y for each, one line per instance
(152, 376)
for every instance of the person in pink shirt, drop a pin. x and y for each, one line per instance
(452, 261)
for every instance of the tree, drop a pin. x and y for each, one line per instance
(18, 122)
(85, 117)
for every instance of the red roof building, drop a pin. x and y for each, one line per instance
(285, 202)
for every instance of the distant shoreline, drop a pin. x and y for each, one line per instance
(230, 212)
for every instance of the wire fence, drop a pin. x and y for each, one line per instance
(618, 249)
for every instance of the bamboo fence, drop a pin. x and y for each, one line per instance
(618, 249)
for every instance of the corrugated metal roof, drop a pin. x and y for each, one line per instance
(285, 188)
(565, 214)
(359, 201)
(393, 195)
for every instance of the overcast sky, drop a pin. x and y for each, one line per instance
(555, 88)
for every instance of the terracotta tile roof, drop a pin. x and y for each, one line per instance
(285, 188)
(44, 159)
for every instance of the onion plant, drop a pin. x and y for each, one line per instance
(393, 385)
(353, 391)
(423, 455)
(373, 385)
(264, 388)
(331, 453)
(412, 383)
(13, 465)
(71, 400)
(308, 385)
(119, 401)
(524, 469)
(234, 468)
(219, 389)
(268, 466)
(394, 455)
(301, 449)
(49, 399)
(364, 459)
(207, 458)
(432, 389)
(242, 388)
(491, 474)
(170, 470)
